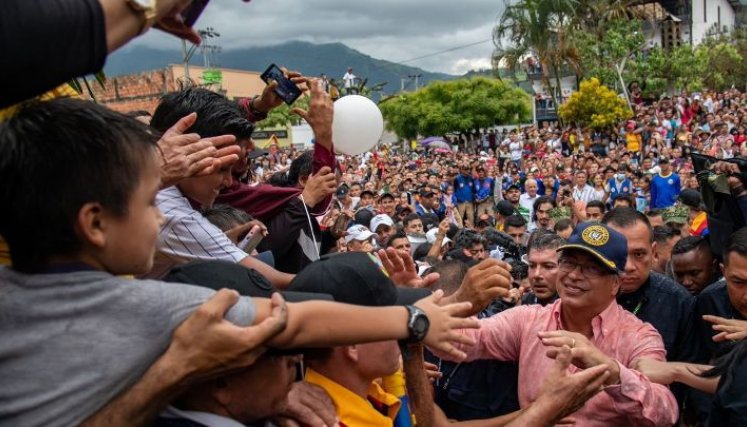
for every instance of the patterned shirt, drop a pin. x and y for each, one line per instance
(187, 236)
(512, 335)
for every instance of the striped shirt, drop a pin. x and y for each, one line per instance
(187, 236)
(585, 194)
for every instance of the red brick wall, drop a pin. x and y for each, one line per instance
(140, 91)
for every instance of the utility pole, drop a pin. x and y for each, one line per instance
(187, 54)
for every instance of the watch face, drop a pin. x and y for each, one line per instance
(420, 325)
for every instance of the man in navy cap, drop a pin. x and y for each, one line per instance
(598, 331)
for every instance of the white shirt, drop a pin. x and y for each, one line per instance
(516, 150)
(187, 236)
(348, 79)
(584, 194)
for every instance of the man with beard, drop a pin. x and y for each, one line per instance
(512, 195)
(541, 218)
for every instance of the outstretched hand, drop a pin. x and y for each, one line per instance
(728, 329)
(484, 282)
(320, 113)
(402, 269)
(446, 321)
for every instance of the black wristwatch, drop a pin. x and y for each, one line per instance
(417, 325)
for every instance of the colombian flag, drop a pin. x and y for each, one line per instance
(699, 227)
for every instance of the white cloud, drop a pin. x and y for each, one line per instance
(394, 30)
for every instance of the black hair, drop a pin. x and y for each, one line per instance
(216, 115)
(300, 167)
(516, 221)
(544, 239)
(65, 153)
(137, 113)
(363, 217)
(451, 275)
(519, 270)
(629, 198)
(225, 217)
(654, 212)
(597, 204)
(562, 224)
(725, 365)
(411, 217)
(398, 235)
(421, 251)
(627, 217)
(736, 243)
(466, 238)
(690, 243)
(663, 233)
(541, 200)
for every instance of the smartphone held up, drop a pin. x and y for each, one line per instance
(285, 89)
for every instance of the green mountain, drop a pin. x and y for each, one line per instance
(332, 59)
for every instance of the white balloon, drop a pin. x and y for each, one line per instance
(357, 125)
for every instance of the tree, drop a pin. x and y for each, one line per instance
(284, 116)
(595, 105)
(540, 28)
(456, 106)
(607, 53)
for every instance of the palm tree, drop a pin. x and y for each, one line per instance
(540, 28)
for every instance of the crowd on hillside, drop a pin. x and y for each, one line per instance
(163, 271)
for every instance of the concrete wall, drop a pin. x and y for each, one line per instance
(705, 14)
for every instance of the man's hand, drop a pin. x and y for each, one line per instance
(320, 113)
(484, 282)
(269, 99)
(308, 405)
(445, 322)
(402, 269)
(432, 372)
(206, 344)
(728, 329)
(584, 354)
(319, 186)
(563, 393)
(185, 155)
(725, 168)
(234, 234)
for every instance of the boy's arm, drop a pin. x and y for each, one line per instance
(204, 345)
(330, 324)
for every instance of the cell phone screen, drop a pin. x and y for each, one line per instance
(193, 11)
(285, 89)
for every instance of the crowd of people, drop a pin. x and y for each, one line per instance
(163, 271)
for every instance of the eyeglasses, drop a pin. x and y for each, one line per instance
(591, 271)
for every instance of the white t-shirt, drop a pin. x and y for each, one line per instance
(516, 150)
(348, 79)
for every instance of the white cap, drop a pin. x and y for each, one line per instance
(430, 236)
(381, 219)
(359, 233)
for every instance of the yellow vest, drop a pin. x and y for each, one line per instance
(353, 410)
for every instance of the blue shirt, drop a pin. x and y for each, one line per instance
(626, 187)
(664, 191)
(464, 189)
(484, 189)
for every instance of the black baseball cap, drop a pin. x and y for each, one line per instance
(512, 187)
(691, 198)
(354, 278)
(505, 208)
(608, 246)
(246, 281)
(426, 192)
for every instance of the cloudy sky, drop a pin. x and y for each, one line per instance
(395, 30)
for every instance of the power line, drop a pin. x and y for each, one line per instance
(444, 51)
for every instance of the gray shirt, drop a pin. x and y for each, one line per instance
(73, 341)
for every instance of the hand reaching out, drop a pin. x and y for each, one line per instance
(728, 329)
(445, 324)
(402, 269)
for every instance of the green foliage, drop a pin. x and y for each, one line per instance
(456, 106)
(538, 27)
(284, 116)
(595, 106)
(604, 52)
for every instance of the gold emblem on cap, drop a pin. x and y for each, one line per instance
(595, 235)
